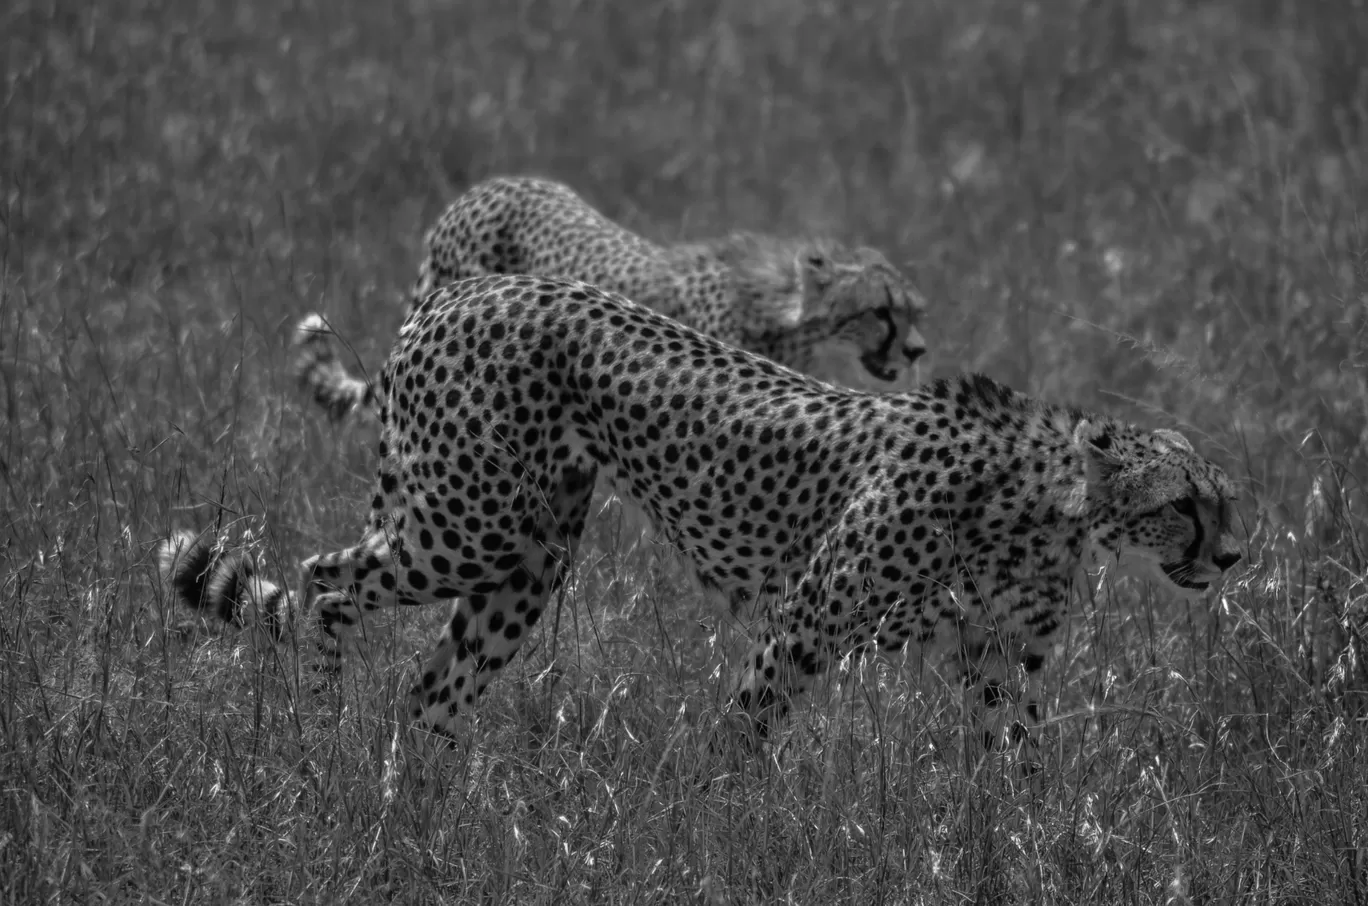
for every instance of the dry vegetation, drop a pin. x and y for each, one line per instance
(1145, 206)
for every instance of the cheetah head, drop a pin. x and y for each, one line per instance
(1158, 506)
(842, 314)
(868, 312)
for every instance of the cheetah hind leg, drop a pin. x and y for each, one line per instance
(342, 585)
(486, 630)
(373, 574)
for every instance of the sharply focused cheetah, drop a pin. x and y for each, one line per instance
(954, 518)
(842, 314)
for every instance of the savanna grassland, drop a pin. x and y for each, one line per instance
(1148, 207)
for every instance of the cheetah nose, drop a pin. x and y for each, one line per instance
(914, 347)
(1225, 561)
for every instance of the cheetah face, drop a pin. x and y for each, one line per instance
(1165, 511)
(862, 317)
(1188, 538)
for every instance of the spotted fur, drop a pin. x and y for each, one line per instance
(953, 519)
(842, 314)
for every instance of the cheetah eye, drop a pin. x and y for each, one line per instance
(1185, 507)
(817, 261)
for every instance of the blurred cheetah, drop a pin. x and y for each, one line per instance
(842, 314)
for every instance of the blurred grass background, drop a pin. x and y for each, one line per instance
(1150, 208)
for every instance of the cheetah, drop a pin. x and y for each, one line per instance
(843, 314)
(953, 518)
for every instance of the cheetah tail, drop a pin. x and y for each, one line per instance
(321, 373)
(225, 584)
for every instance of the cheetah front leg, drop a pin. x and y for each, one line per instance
(486, 630)
(1001, 665)
(1001, 675)
(824, 618)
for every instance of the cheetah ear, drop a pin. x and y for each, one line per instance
(1172, 440)
(813, 266)
(1092, 442)
(1095, 443)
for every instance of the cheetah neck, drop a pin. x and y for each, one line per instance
(1070, 481)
